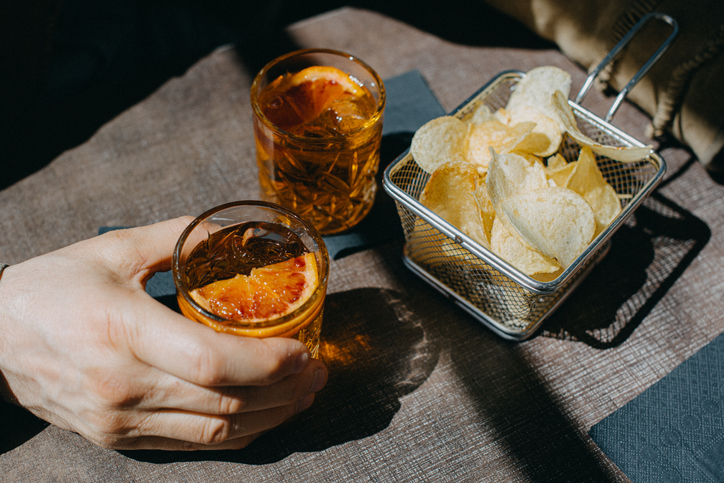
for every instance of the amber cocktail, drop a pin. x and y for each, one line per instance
(254, 269)
(318, 127)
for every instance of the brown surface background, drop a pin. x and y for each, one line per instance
(418, 390)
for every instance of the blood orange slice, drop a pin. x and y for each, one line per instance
(266, 293)
(298, 99)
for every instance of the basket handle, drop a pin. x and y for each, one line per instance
(642, 71)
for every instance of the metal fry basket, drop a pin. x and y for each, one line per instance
(503, 298)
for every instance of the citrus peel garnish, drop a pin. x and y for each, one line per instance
(267, 293)
(305, 95)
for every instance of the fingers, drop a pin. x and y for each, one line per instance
(174, 430)
(166, 444)
(205, 430)
(195, 353)
(183, 430)
(235, 399)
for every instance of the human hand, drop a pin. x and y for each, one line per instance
(85, 348)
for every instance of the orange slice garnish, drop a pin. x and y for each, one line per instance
(305, 95)
(266, 293)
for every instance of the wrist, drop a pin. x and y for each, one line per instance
(5, 392)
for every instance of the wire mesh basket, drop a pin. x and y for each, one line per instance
(509, 302)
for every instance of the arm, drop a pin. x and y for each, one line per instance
(85, 348)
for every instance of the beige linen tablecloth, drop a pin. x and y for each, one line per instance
(418, 391)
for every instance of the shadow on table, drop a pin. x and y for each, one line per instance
(648, 254)
(376, 350)
(522, 415)
(18, 426)
(510, 402)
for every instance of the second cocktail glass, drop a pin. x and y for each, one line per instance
(318, 126)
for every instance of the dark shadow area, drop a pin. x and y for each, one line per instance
(717, 176)
(648, 254)
(506, 391)
(377, 350)
(18, 426)
(70, 66)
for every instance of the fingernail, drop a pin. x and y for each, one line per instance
(305, 402)
(320, 379)
(300, 363)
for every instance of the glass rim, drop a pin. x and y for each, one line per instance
(322, 272)
(371, 121)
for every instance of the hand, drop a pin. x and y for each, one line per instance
(85, 348)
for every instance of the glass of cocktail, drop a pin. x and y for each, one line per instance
(255, 269)
(318, 126)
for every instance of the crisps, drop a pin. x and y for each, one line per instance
(518, 253)
(555, 221)
(439, 141)
(450, 194)
(556, 161)
(489, 180)
(626, 154)
(588, 181)
(432, 245)
(482, 114)
(511, 174)
(536, 89)
(486, 207)
(560, 174)
(496, 135)
(545, 137)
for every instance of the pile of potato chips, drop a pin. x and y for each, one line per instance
(499, 177)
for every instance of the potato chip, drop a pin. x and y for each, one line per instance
(560, 175)
(511, 174)
(546, 136)
(486, 207)
(482, 114)
(532, 158)
(518, 253)
(502, 115)
(450, 194)
(605, 205)
(494, 134)
(547, 277)
(588, 181)
(626, 154)
(556, 161)
(555, 221)
(536, 88)
(439, 141)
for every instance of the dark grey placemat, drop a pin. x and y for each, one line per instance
(410, 103)
(673, 431)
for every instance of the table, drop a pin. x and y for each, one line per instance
(418, 391)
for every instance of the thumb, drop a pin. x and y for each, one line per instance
(139, 252)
